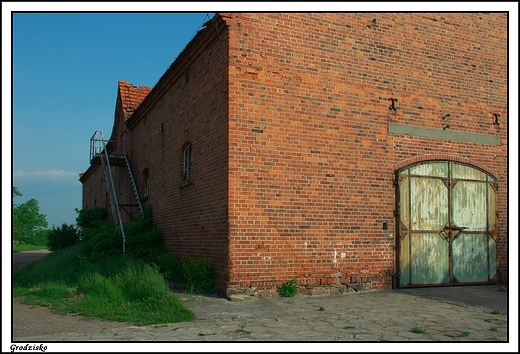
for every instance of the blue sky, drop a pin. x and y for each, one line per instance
(65, 72)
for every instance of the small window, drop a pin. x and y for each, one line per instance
(186, 169)
(145, 179)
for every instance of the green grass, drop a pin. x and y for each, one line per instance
(418, 329)
(289, 288)
(118, 289)
(242, 330)
(20, 248)
(463, 334)
(494, 329)
(349, 327)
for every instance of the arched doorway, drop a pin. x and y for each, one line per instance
(446, 225)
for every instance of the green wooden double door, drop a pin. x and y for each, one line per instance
(447, 225)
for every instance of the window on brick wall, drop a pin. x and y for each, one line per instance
(145, 179)
(186, 167)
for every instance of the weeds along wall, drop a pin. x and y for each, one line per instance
(312, 102)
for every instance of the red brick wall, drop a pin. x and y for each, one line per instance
(311, 161)
(191, 107)
(293, 162)
(94, 190)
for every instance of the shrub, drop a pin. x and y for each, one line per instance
(62, 237)
(100, 243)
(143, 239)
(198, 274)
(289, 288)
(175, 272)
(89, 218)
(165, 262)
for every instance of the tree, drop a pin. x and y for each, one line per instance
(28, 223)
(62, 237)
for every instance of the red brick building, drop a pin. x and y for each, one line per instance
(333, 148)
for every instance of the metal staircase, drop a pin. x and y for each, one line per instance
(98, 149)
(134, 186)
(99, 155)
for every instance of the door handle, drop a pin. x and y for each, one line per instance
(459, 228)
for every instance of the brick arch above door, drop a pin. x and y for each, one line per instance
(444, 157)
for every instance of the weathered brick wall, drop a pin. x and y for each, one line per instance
(311, 160)
(298, 181)
(94, 190)
(190, 106)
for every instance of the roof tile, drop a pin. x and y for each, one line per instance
(131, 96)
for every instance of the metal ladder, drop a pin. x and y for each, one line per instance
(98, 148)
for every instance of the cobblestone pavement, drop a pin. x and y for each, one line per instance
(469, 318)
(375, 316)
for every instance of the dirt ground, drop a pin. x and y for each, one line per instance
(40, 321)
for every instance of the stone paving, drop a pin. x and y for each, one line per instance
(473, 314)
(379, 315)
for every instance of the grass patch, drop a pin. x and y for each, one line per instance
(94, 279)
(21, 248)
(117, 289)
(59, 266)
(321, 308)
(495, 320)
(418, 329)
(349, 327)
(463, 334)
(495, 312)
(494, 329)
(242, 330)
(138, 294)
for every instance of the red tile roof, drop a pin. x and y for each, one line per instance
(131, 96)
